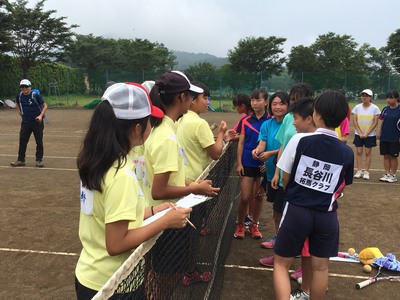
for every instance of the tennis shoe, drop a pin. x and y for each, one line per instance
(270, 243)
(267, 261)
(255, 233)
(39, 164)
(385, 178)
(239, 233)
(359, 174)
(366, 175)
(297, 274)
(392, 178)
(195, 277)
(299, 294)
(18, 163)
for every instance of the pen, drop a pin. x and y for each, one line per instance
(187, 220)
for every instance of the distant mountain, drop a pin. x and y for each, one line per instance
(187, 59)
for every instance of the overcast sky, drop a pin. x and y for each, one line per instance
(216, 26)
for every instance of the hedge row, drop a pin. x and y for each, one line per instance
(47, 77)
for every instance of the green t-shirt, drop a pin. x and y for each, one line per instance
(284, 134)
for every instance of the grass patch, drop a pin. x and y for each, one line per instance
(70, 100)
(380, 103)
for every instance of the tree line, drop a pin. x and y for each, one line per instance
(33, 36)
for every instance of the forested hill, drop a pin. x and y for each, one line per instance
(186, 59)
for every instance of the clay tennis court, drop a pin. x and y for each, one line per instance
(40, 212)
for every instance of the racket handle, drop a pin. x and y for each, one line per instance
(343, 255)
(364, 283)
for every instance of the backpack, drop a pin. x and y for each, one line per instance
(36, 91)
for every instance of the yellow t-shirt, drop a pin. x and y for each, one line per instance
(121, 199)
(339, 132)
(163, 153)
(195, 135)
(137, 156)
(365, 117)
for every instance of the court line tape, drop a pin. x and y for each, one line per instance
(226, 266)
(55, 134)
(36, 168)
(374, 183)
(38, 252)
(74, 157)
(74, 170)
(271, 269)
(47, 156)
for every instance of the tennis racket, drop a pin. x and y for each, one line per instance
(378, 277)
(347, 255)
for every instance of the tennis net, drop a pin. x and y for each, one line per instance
(186, 263)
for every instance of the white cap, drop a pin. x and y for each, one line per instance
(368, 92)
(130, 101)
(148, 85)
(25, 82)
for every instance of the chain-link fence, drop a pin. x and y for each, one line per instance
(227, 84)
(61, 90)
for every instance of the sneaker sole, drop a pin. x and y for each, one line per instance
(266, 265)
(238, 237)
(257, 237)
(15, 166)
(265, 247)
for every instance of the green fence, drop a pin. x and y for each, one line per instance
(64, 86)
(227, 84)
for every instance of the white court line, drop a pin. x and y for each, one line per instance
(226, 266)
(46, 156)
(38, 251)
(271, 269)
(51, 134)
(373, 170)
(36, 168)
(374, 183)
(57, 136)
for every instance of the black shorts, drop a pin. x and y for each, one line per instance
(298, 223)
(279, 200)
(271, 193)
(83, 292)
(253, 172)
(368, 142)
(389, 148)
